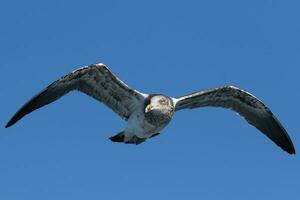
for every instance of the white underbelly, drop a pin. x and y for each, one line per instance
(138, 126)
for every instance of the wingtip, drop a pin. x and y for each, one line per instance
(292, 151)
(9, 124)
(289, 148)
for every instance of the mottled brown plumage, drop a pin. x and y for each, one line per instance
(246, 105)
(96, 81)
(148, 114)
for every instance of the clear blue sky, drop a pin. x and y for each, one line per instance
(62, 152)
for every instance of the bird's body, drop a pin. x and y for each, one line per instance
(149, 119)
(148, 114)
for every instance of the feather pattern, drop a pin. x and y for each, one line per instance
(246, 105)
(94, 80)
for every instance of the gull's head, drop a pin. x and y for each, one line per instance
(159, 109)
(158, 102)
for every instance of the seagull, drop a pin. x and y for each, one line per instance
(148, 114)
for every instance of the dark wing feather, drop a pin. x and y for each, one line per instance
(94, 80)
(246, 105)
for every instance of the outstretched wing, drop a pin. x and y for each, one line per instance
(94, 80)
(246, 105)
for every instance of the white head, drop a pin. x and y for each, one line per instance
(159, 109)
(159, 103)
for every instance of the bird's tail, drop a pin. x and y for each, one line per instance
(118, 138)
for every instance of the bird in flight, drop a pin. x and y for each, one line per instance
(148, 114)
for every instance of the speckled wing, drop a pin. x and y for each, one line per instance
(246, 105)
(94, 80)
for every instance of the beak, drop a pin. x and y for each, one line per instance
(148, 108)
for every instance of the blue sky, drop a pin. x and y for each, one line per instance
(173, 47)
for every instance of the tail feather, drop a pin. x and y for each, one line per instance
(118, 138)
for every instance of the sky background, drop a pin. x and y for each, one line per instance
(62, 151)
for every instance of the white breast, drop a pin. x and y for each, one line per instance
(137, 125)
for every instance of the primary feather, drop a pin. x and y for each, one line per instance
(94, 80)
(148, 114)
(246, 105)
